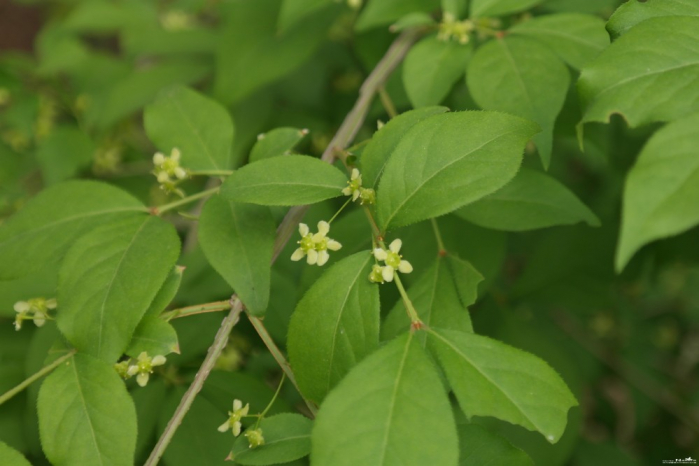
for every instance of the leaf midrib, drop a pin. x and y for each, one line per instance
(85, 410)
(195, 130)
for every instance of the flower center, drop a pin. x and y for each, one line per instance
(393, 259)
(306, 242)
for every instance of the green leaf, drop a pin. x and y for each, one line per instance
(662, 189)
(262, 54)
(431, 68)
(334, 326)
(385, 140)
(576, 38)
(166, 293)
(438, 167)
(155, 41)
(480, 447)
(522, 77)
(200, 127)
(397, 393)
(633, 12)
(139, 88)
(109, 278)
(531, 200)
(238, 241)
(647, 75)
(11, 457)
(412, 20)
(292, 11)
(491, 378)
(481, 8)
(86, 416)
(287, 438)
(154, 336)
(441, 296)
(44, 229)
(382, 12)
(279, 141)
(291, 180)
(63, 153)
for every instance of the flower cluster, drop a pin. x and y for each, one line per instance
(234, 417)
(36, 309)
(142, 367)
(354, 189)
(315, 247)
(392, 262)
(451, 28)
(168, 170)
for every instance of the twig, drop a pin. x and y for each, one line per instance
(45, 370)
(215, 351)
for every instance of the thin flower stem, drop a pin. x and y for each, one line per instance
(279, 357)
(212, 173)
(216, 306)
(164, 208)
(220, 342)
(340, 210)
(45, 370)
(410, 309)
(387, 103)
(438, 236)
(372, 222)
(274, 398)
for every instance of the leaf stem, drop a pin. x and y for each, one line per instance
(438, 236)
(220, 342)
(410, 309)
(45, 370)
(164, 208)
(216, 306)
(279, 357)
(274, 398)
(211, 173)
(387, 103)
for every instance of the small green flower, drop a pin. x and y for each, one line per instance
(376, 275)
(36, 309)
(450, 28)
(315, 247)
(255, 438)
(233, 421)
(144, 367)
(393, 260)
(354, 185)
(122, 368)
(367, 196)
(168, 170)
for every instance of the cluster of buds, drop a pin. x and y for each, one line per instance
(452, 29)
(36, 309)
(354, 189)
(315, 246)
(142, 367)
(393, 262)
(168, 171)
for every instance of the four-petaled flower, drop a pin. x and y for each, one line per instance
(315, 246)
(36, 309)
(144, 367)
(354, 185)
(168, 170)
(234, 417)
(393, 260)
(255, 438)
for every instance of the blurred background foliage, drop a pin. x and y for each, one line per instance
(74, 78)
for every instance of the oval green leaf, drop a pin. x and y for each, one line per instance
(633, 12)
(491, 378)
(523, 77)
(287, 438)
(199, 127)
(448, 161)
(382, 12)
(238, 241)
(481, 8)
(481, 447)
(662, 189)
(647, 75)
(109, 278)
(167, 292)
(45, 228)
(431, 68)
(398, 393)
(11, 457)
(334, 326)
(279, 141)
(284, 181)
(154, 336)
(86, 416)
(531, 200)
